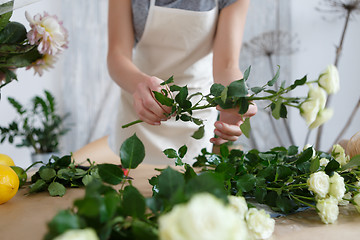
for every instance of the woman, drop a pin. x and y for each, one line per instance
(197, 42)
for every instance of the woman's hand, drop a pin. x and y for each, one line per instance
(146, 106)
(228, 126)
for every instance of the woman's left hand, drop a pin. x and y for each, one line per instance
(228, 126)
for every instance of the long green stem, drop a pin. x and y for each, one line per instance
(301, 201)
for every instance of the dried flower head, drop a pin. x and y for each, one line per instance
(340, 7)
(271, 43)
(46, 62)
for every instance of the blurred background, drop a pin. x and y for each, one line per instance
(299, 35)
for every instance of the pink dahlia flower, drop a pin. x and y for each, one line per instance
(48, 32)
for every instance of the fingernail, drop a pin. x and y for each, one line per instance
(218, 125)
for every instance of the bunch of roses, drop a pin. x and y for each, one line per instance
(330, 191)
(206, 217)
(51, 38)
(313, 110)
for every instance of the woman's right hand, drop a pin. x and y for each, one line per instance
(146, 106)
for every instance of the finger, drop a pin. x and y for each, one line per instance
(217, 141)
(228, 130)
(225, 136)
(145, 115)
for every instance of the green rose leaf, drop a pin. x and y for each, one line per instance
(56, 189)
(244, 105)
(87, 179)
(180, 98)
(257, 90)
(284, 204)
(315, 164)
(332, 166)
(170, 153)
(143, 230)
(170, 80)
(237, 89)
(247, 73)
(65, 173)
(260, 194)
(5, 17)
(169, 182)
(47, 173)
(275, 78)
(275, 108)
(89, 206)
(163, 99)
(283, 111)
(38, 186)
(299, 82)
(246, 182)
(182, 151)
(63, 161)
(305, 156)
(133, 202)
(292, 150)
(13, 33)
(132, 152)
(111, 173)
(198, 134)
(63, 221)
(246, 127)
(216, 89)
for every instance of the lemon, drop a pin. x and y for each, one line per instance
(9, 183)
(21, 174)
(6, 160)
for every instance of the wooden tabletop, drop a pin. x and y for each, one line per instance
(26, 216)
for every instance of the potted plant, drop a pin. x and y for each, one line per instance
(38, 126)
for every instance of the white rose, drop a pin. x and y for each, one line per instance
(329, 80)
(319, 95)
(309, 110)
(337, 186)
(78, 234)
(328, 209)
(260, 224)
(338, 153)
(319, 183)
(357, 202)
(204, 217)
(324, 162)
(239, 204)
(322, 117)
(345, 202)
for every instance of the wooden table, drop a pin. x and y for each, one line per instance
(26, 217)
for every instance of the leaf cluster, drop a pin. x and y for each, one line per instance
(38, 126)
(236, 95)
(126, 213)
(277, 178)
(15, 50)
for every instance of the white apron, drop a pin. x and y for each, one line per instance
(175, 42)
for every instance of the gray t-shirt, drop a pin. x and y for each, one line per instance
(140, 9)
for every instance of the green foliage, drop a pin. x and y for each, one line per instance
(37, 126)
(61, 172)
(236, 95)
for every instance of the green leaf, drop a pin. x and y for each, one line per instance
(18, 106)
(285, 204)
(133, 202)
(142, 230)
(247, 73)
(182, 151)
(87, 179)
(163, 99)
(38, 186)
(132, 152)
(315, 164)
(65, 173)
(293, 150)
(224, 150)
(283, 111)
(275, 108)
(5, 17)
(257, 90)
(216, 89)
(275, 78)
(13, 32)
(180, 98)
(170, 181)
(64, 221)
(198, 134)
(170, 153)
(207, 182)
(332, 166)
(354, 162)
(244, 105)
(110, 173)
(299, 82)
(246, 127)
(246, 183)
(237, 89)
(63, 161)
(305, 156)
(224, 95)
(260, 194)
(47, 173)
(56, 189)
(170, 80)
(89, 206)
